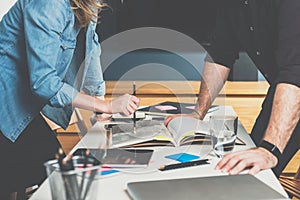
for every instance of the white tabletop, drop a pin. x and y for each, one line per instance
(114, 186)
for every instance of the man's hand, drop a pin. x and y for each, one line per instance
(169, 118)
(255, 159)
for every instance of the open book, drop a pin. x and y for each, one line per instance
(180, 131)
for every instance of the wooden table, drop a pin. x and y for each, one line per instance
(245, 97)
(112, 187)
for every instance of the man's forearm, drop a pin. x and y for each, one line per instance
(285, 115)
(213, 79)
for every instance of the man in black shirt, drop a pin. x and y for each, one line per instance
(269, 32)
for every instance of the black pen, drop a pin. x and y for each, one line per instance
(184, 164)
(134, 114)
(93, 173)
(70, 180)
(85, 161)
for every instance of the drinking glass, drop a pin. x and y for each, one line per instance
(223, 130)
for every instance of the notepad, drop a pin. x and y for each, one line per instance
(165, 108)
(107, 171)
(182, 157)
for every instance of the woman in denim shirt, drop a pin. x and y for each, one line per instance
(44, 63)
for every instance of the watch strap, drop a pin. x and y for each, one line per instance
(271, 148)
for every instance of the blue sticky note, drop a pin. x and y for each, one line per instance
(107, 172)
(183, 157)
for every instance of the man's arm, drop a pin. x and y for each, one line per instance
(213, 79)
(284, 118)
(285, 115)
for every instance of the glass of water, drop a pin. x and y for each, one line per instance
(223, 130)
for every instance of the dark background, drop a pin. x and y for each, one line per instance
(195, 18)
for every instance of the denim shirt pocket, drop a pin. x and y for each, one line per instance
(68, 44)
(67, 48)
(3, 54)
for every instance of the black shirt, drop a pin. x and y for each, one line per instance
(268, 30)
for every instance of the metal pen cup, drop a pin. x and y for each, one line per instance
(74, 184)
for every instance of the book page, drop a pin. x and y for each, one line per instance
(181, 127)
(146, 130)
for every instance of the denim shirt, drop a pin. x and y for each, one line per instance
(40, 69)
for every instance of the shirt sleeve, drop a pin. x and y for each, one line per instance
(225, 47)
(44, 22)
(93, 83)
(288, 53)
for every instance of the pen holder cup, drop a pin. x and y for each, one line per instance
(77, 184)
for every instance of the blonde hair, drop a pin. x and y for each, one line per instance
(86, 11)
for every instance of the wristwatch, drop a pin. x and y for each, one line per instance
(271, 148)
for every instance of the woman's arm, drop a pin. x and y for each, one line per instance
(125, 104)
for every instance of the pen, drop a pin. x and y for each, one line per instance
(85, 161)
(184, 164)
(93, 173)
(70, 179)
(134, 114)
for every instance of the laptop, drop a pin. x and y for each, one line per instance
(235, 187)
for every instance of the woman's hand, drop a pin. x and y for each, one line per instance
(125, 104)
(100, 117)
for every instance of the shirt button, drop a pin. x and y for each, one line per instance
(246, 2)
(251, 28)
(266, 75)
(258, 53)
